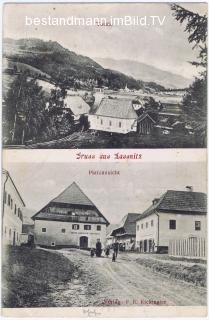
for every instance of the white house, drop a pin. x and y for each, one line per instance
(76, 106)
(70, 220)
(175, 215)
(114, 115)
(12, 206)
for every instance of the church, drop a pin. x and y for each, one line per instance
(70, 220)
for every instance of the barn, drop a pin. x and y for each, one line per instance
(70, 220)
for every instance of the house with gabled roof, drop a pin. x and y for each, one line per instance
(125, 233)
(119, 115)
(175, 215)
(114, 115)
(75, 105)
(70, 220)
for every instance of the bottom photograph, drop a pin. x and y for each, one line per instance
(104, 234)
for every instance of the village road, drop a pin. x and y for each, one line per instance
(101, 282)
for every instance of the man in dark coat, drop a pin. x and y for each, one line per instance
(115, 248)
(98, 248)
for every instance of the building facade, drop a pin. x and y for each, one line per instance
(70, 220)
(176, 215)
(12, 217)
(125, 233)
(114, 115)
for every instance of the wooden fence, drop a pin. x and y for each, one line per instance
(190, 248)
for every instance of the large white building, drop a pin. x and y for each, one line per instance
(12, 206)
(176, 215)
(114, 115)
(70, 220)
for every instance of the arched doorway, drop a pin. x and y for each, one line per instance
(84, 242)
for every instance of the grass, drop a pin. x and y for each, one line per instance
(29, 274)
(103, 140)
(195, 273)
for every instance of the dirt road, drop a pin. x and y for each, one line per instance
(101, 282)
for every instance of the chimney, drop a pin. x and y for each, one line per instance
(189, 188)
(155, 201)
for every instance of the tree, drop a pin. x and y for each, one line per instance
(196, 26)
(195, 99)
(25, 105)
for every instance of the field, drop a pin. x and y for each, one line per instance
(29, 274)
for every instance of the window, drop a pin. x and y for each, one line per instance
(97, 117)
(146, 224)
(5, 230)
(110, 123)
(18, 212)
(197, 225)
(75, 226)
(63, 230)
(101, 121)
(15, 212)
(98, 228)
(142, 226)
(152, 224)
(8, 200)
(10, 232)
(11, 203)
(137, 228)
(87, 227)
(43, 229)
(172, 224)
(119, 124)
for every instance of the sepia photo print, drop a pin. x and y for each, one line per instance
(104, 75)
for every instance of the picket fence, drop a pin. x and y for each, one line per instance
(191, 248)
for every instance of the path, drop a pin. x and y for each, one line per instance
(101, 282)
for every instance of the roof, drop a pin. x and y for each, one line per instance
(77, 105)
(8, 176)
(72, 195)
(127, 225)
(143, 116)
(116, 108)
(187, 202)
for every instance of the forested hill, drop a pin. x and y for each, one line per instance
(63, 65)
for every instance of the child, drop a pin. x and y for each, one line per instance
(92, 252)
(107, 252)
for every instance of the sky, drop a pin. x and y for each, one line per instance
(132, 191)
(165, 47)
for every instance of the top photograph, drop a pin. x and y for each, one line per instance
(104, 75)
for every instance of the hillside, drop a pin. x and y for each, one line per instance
(63, 65)
(145, 72)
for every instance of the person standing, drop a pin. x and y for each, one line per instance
(98, 248)
(116, 248)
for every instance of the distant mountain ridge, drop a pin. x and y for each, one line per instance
(145, 72)
(63, 65)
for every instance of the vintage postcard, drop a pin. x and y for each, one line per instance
(104, 188)
(104, 238)
(104, 75)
